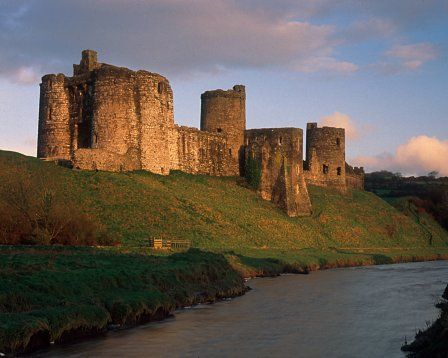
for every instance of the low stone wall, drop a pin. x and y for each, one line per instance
(355, 181)
(314, 175)
(100, 159)
(200, 152)
(319, 180)
(354, 177)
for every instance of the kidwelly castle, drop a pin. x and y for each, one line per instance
(111, 118)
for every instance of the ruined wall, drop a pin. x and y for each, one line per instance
(325, 156)
(354, 177)
(89, 62)
(280, 153)
(132, 116)
(155, 104)
(100, 159)
(114, 121)
(118, 112)
(225, 112)
(54, 133)
(200, 152)
(111, 118)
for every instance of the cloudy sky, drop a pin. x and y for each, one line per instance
(379, 68)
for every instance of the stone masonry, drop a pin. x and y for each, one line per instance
(225, 112)
(279, 150)
(111, 118)
(325, 156)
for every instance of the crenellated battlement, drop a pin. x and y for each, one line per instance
(89, 62)
(238, 91)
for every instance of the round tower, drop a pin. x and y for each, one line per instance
(225, 112)
(325, 154)
(53, 140)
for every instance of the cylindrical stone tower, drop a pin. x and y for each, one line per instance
(326, 146)
(225, 111)
(53, 140)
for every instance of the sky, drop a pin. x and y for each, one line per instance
(377, 68)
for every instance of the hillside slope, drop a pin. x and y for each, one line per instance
(220, 213)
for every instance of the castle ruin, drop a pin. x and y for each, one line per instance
(114, 119)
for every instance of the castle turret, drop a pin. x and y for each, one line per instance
(325, 156)
(89, 62)
(54, 138)
(225, 111)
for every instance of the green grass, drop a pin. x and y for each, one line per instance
(52, 293)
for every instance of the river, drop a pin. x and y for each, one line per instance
(351, 312)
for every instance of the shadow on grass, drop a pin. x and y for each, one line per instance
(267, 266)
(376, 259)
(380, 259)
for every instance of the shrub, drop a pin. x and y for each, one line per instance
(253, 172)
(33, 214)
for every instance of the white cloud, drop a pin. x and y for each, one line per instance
(353, 130)
(413, 56)
(24, 75)
(418, 156)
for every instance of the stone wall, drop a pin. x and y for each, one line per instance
(200, 152)
(225, 112)
(101, 159)
(155, 104)
(112, 109)
(325, 156)
(54, 133)
(279, 151)
(354, 177)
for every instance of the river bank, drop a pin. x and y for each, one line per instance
(433, 341)
(54, 295)
(58, 294)
(348, 312)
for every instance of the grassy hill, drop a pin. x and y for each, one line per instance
(221, 214)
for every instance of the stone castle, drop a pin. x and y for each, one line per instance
(111, 118)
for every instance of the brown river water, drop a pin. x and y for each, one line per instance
(351, 312)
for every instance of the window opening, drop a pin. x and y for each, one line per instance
(84, 135)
